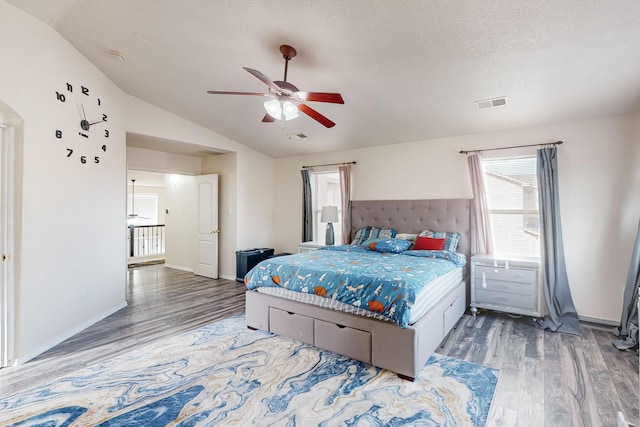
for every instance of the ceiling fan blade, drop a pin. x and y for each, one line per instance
(222, 92)
(316, 116)
(334, 98)
(268, 118)
(264, 79)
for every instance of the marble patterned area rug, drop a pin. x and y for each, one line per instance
(226, 374)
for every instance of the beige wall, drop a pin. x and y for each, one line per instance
(140, 159)
(253, 174)
(53, 189)
(598, 188)
(70, 259)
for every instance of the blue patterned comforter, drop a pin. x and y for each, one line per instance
(385, 283)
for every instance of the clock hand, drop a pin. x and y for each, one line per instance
(97, 121)
(84, 124)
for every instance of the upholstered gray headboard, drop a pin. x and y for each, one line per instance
(413, 216)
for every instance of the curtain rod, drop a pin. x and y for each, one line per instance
(329, 164)
(506, 148)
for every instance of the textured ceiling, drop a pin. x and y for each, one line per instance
(408, 70)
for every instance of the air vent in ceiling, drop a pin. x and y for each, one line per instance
(491, 103)
(297, 135)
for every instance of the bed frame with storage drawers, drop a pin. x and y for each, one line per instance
(380, 343)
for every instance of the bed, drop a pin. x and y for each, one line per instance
(401, 344)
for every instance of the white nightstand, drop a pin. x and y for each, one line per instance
(509, 284)
(310, 246)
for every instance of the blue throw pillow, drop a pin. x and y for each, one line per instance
(393, 246)
(365, 233)
(362, 234)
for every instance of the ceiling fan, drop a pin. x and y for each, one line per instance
(133, 215)
(287, 100)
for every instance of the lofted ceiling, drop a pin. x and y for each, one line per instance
(408, 70)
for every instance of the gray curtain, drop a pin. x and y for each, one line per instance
(345, 191)
(561, 313)
(307, 207)
(481, 240)
(628, 330)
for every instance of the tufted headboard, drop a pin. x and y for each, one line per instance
(413, 216)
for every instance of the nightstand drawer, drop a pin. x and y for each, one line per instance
(506, 284)
(505, 274)
(527, 302)
(508, 287)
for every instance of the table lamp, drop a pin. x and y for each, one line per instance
(329, 215)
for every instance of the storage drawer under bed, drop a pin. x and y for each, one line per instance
(350, 342)
(291, 325)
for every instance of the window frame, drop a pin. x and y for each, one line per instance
(316, 207)
(524, 213)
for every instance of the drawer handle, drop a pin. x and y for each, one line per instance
(502, 299)
(484, 279)
(340, 326)
(291, 313)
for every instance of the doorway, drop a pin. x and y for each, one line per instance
(146, 228)
(7, 255)
(180, 213)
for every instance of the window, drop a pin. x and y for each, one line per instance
(326, 192)
(512, 196)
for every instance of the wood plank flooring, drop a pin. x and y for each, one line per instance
(161, 302)
(546, 379)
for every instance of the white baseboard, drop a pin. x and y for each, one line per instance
(68, 334)
(190, 270)
(599, 321)
(179, 267)
(147, 258)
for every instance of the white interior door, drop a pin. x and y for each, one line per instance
(6, 245)
(207, 226)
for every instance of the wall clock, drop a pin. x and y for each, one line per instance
(84, 130)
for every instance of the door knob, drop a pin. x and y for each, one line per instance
(215, 231)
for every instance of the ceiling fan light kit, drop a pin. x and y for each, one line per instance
(287, 100)
(276, 108)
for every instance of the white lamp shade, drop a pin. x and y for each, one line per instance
(277, 109)
(274, 108)
(329, 214)
(289, 110)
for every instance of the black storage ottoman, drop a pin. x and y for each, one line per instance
(247, 259)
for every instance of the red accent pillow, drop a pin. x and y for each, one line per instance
(428, 244)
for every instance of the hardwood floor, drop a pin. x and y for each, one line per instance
(546, 379)
(161, 302)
